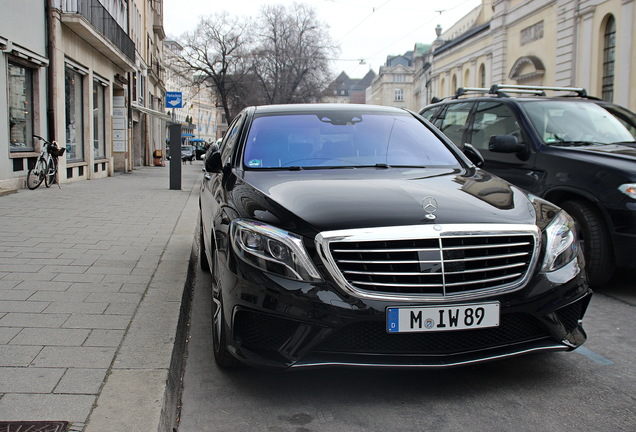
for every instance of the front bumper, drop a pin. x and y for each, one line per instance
(279, 323)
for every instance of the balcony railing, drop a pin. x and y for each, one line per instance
(103, 22)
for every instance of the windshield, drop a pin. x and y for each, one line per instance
(562, 122)
(343, 139)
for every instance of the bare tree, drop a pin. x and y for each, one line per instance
(292, 55)
(215, 52)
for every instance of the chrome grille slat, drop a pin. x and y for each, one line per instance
(352, 272)
(499, 279)
(431, 261)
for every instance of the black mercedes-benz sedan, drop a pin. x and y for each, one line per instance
(358, 235)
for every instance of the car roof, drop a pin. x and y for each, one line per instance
(318, 108)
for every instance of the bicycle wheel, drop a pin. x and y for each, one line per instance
(36, 175)
(51, 170)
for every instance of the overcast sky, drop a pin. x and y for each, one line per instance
(367, 30)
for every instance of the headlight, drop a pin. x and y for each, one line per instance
(628, 189)
(561, 243)
(272, 249)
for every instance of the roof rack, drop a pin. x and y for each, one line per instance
(535, 90)
(461, 91)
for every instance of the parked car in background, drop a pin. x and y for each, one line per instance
(576, 151)
(358, 235)
(187, 153)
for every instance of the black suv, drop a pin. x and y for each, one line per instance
(359, 235)
(574, 150)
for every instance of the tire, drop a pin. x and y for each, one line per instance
(203, 256)
(36, 175)
(222, 356)
(51, 170)
(595, 241)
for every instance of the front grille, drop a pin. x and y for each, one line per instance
(442, 265)
(372, 338)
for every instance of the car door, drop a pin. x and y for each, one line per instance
(213, 194)
(498, 118)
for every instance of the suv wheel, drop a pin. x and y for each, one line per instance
(594, 240)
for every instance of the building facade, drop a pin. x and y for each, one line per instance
(582, 43)
(86, 73)
(23, 88)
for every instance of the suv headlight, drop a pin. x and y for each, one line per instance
(272, 249)
(628, 189)
(561, 242)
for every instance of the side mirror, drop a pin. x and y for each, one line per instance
(505, 144)
(213, 162)
(473, 155)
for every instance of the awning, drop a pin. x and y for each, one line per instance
(151, 112)
(197, 140)
(187, 135)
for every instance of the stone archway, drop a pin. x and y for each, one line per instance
(527, 70)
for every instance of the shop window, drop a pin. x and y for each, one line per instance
(74, 119)
(20, 108)
(99, 120)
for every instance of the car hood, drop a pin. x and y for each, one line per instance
(356, 198)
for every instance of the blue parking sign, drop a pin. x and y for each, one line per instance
(174, 99)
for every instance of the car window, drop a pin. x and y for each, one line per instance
(429, 113)
(493, 118)
(453, 122)
(559, 122)
(231, 137)
(626, 117)
(368, 139)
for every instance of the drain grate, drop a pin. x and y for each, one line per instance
(33, 426)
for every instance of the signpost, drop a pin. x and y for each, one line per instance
(174, 99)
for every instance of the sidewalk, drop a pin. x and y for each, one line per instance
(94, 298)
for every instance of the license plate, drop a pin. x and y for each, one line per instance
(442, 318)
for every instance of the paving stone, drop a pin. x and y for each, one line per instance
(105, 338)
(112, 322)
(29, 380)
(76, 308)
(8, 333)
(75, 357)
(81, 381)
(33, 320)
(22, 306)
(47, 336)
(19, 356)
(45, 407)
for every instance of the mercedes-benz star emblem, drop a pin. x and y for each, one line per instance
(430, 207)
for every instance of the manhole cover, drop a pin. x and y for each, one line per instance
(33, 426)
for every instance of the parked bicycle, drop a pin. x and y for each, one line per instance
(45, 168)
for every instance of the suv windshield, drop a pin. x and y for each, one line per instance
(324, 140)
(574, 122)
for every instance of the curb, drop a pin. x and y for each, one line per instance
(142, 391)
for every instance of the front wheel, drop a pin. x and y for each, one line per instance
(51, 171)
(595, 241)
(36, 175)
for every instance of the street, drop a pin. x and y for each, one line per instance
(590, 389)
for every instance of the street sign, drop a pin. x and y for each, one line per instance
(174, 99)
